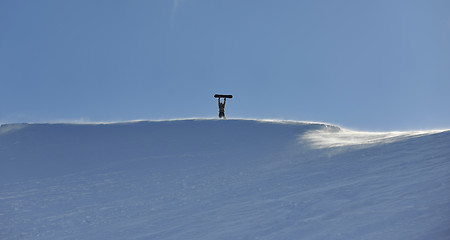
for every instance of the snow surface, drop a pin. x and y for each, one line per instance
(222, 179)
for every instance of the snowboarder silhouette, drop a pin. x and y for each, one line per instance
(222, 108)
(222, 105)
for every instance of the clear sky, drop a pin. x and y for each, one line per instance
(371, 65)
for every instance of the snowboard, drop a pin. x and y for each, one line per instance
(223, 96)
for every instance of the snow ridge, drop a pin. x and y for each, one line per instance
(215, 179)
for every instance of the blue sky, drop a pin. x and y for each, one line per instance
(371, 65)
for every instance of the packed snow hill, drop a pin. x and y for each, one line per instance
(213, 179)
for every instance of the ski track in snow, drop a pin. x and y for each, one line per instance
(258, 180)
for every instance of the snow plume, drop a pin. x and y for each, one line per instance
(337, 137)
(11, 128)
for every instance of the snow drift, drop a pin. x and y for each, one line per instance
(212, 179)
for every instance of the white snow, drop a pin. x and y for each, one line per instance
(333, 137)
(215, 179)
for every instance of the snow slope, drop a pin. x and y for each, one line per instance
(213, 179)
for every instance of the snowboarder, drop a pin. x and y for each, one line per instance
(222, 105)
(222, 108)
